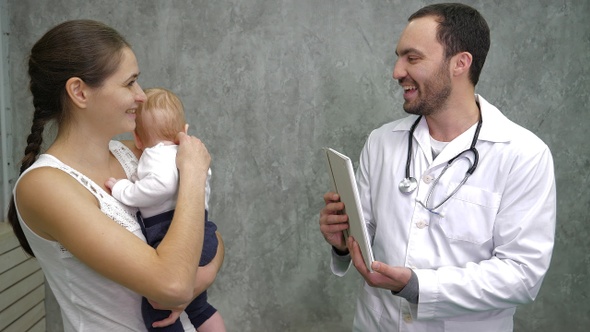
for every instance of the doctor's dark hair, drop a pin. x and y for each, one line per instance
(86, 49)
(461, 29)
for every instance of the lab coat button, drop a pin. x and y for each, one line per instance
(427, 178)
(421, 224)
(407, 318)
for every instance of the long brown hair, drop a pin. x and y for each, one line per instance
(86, 49)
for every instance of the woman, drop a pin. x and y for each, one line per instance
(83, 75)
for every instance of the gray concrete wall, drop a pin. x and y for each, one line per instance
(268, 83)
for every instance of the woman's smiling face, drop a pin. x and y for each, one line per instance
(114, 103)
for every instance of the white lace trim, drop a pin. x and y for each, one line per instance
(125, 156)
(120, 213)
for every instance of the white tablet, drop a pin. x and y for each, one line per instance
(344, 183)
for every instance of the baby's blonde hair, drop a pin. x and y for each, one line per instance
(161, 117)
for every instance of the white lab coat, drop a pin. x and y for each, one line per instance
(489, 249)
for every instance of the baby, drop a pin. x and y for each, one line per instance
(153, 189)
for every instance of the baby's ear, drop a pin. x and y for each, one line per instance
(138, 143)
(186, 128)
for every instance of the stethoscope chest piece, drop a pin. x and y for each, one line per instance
(407, 185)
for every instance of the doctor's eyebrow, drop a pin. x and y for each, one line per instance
(408, 50)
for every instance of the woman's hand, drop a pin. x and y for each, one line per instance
(174, 315)
(192, 154)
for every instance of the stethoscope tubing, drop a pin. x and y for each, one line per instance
(472, 168)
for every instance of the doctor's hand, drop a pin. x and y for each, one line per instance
(333, 221)
(383, 276)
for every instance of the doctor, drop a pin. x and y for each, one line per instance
(458, 200)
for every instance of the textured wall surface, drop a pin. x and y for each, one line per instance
(268, 83)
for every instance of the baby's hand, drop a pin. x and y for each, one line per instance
(110, 183)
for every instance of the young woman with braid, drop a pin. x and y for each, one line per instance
(83, 75)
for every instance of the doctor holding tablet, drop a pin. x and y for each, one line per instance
(459, 201)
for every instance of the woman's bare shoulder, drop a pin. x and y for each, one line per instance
(44, 196)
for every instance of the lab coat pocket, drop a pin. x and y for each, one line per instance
(470, 214)
(370, 300)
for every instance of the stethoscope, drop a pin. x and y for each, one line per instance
(409, 183)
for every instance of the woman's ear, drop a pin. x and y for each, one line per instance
(77, 91)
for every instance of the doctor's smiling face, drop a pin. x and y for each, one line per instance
(421, 68)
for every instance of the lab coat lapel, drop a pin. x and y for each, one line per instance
(456, 146)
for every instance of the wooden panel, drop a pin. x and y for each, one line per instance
(18, 290)
(22, 289)
(7, 240)
(18, 272)
(12, 258)
(10, 314)
(33, 320)
(39, 327)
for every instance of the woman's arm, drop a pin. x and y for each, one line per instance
(56, 207)
(205, 277)
(206, 274)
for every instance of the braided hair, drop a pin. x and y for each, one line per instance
(86, 49)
